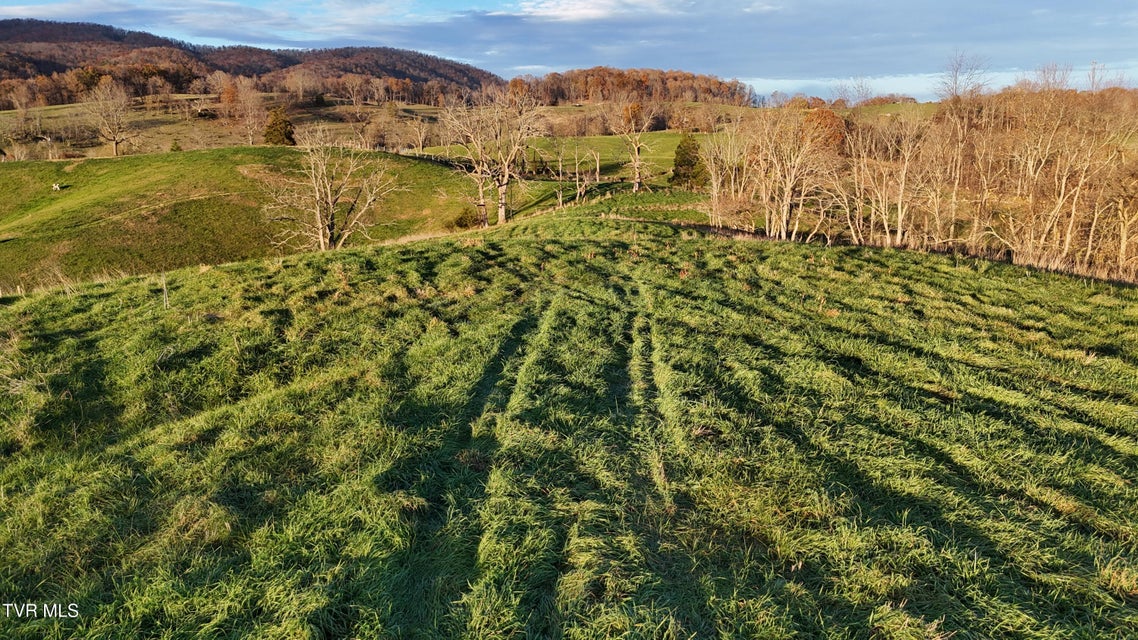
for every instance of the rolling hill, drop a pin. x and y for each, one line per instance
(39, 47)
(156, 212)
(574, 427)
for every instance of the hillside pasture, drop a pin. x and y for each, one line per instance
(142, 214)
(575, 427)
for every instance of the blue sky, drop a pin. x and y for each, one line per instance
(786, 45)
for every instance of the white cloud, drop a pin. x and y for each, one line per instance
(789, 45)
(761, 7)
(579, 10)
(202, 15)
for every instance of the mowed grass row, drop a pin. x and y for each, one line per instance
(574, 427)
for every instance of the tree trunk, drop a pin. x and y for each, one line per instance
(483, 219)
(502, 187)
(1123, 241)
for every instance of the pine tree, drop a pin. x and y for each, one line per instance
(279, 128)
(688, 171)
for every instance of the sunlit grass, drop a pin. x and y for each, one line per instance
(575, 427)
(142, 214)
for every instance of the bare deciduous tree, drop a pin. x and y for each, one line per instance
(301, 82)
(333, 194)
(793, 154)
(356, 88)
(630, 118)
(1123, 206)
(22, 97)
(490, 135)
(249, 109)
(159, 92)
(963, 79)
(420, 128)
(108, 106)
(729, 157)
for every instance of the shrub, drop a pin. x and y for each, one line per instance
(688, 170)
(279, 129)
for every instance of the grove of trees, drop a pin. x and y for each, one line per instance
(1039, 173)
(490, 133)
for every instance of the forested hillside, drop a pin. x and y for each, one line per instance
(45, 62)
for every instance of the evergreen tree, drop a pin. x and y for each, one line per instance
(688, 171)
(279, 128)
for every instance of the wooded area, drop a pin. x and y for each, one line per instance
(1038, 173)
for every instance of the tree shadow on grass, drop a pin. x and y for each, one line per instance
(81, 404)
(418, 585)
(878, 506)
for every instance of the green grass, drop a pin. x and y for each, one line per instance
(150, 213)
(574, 427)
(659, 155)
(156, 128)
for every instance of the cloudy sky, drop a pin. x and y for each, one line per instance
(786, 45)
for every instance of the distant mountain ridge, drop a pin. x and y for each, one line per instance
(30, 47)
(31, 30)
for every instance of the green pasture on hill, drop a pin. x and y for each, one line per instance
(141, 214)
(658, 156)
(574, 427)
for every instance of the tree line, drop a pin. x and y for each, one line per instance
(603, 84)
(1037, 173)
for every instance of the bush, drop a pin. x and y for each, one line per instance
(467, 219)
(688, 171)
(279, 130)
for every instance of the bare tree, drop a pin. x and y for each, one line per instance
(490, 135)
(22, 97)
(249, 109)
(420, 129)
(217, 81)
(554, 161)
(332, 196)
(565, 159)
(355, 88)
(964, 78)
(630, 118)
(793, 154)
(159, 92)
(108, 107)
(1123, 207)
(584, 157)
(729, 157)
(301, 81)
(959, 89)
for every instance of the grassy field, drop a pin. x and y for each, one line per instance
(152, 213)
(140, 214)
(156, 128)
(574, 427)
(659, 155)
